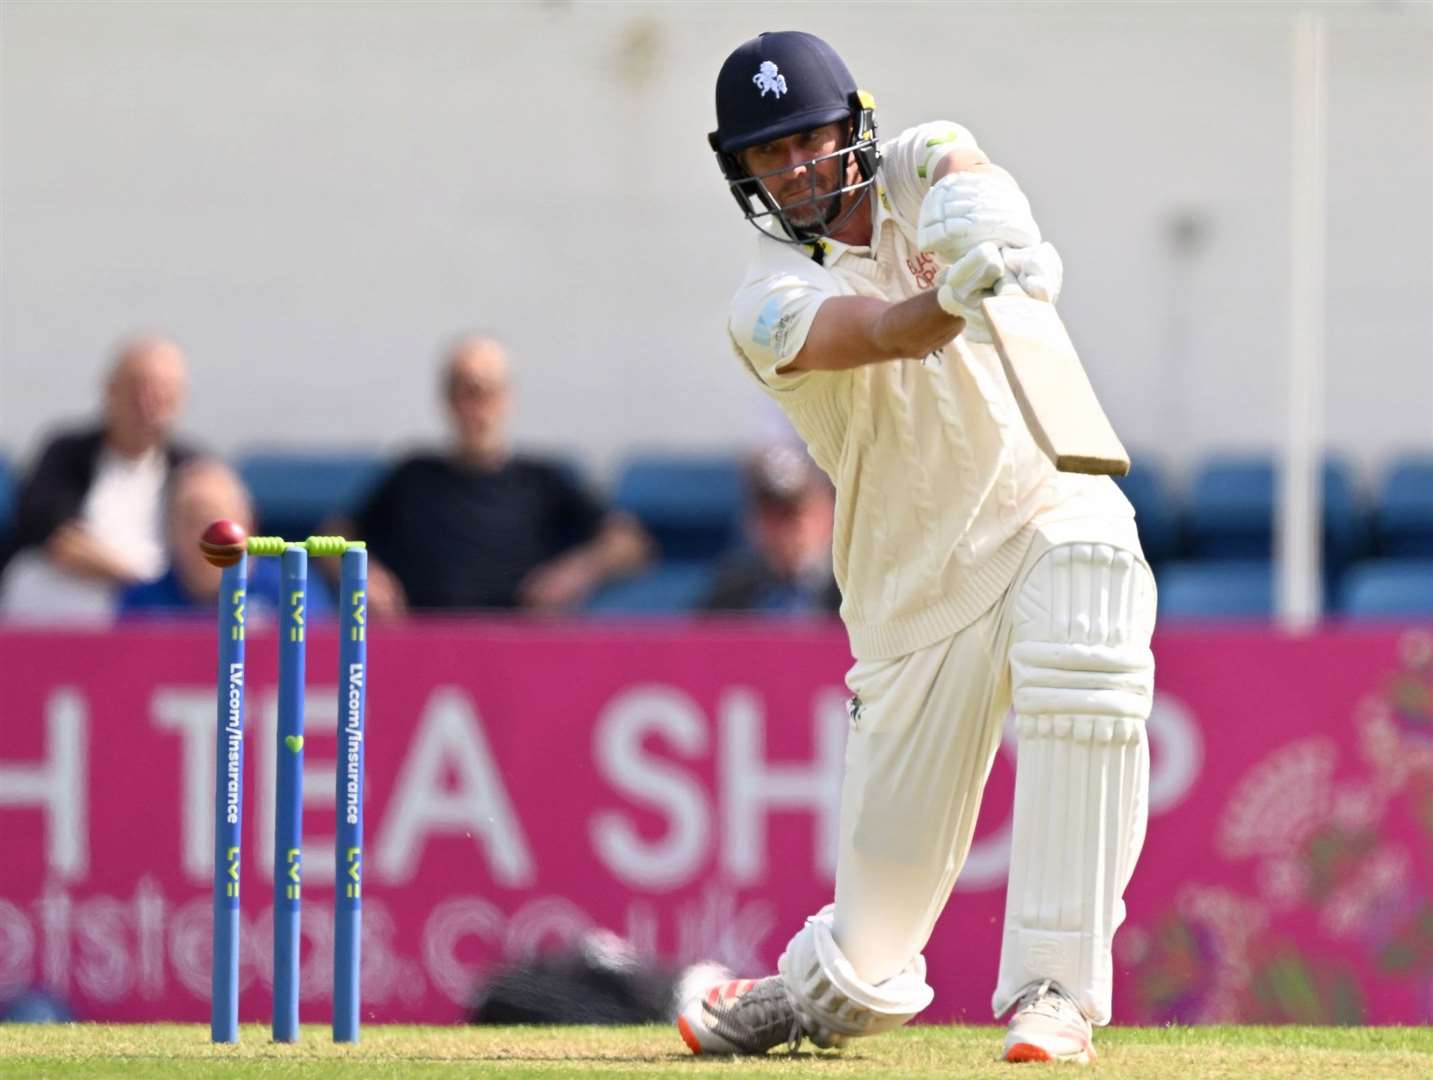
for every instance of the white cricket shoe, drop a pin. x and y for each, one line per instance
(1048, 1026)
(740, 1016)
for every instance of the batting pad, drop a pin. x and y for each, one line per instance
(1082, 679)
(835, 1003)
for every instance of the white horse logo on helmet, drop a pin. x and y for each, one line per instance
(769, 78)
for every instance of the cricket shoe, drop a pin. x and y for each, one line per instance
(740, 1016)
(1048, 1026)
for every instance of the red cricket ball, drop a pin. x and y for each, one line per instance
(223, 543)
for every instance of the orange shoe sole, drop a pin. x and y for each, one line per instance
(688, 1035)
(1023, 1052)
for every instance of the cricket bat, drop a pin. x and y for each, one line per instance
(1049, 382)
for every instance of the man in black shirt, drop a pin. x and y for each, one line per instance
(477, 526)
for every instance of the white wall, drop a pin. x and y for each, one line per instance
(311, 197)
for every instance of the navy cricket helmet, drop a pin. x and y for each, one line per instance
(778, 84)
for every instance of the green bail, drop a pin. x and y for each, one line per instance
(314, 545)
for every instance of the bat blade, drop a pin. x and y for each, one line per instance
(1051, 387)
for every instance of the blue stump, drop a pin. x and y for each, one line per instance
(288, 808)
(348, 853)
(228, 806)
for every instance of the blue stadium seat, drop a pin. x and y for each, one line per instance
(8, 484)
(692, 506)
(1154, 509)
(1404, 515)
(669, 589)
(294, 492)
(1222, 589)
(1231, 511)
(1388, 589)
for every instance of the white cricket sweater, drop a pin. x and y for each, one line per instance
(939, 484)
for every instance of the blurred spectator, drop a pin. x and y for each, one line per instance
(477, 526)
(89, 516)
(203, 491)
(787, 567)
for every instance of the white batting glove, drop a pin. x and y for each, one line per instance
(975, 272)
(1038, 270)
(969, 208)
(960, 288)
(950, 295)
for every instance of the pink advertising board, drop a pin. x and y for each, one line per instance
(677, 785)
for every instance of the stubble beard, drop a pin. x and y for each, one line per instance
(822, 212)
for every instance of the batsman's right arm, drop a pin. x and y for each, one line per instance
(850, 331)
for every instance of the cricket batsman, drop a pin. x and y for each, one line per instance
(973, 575)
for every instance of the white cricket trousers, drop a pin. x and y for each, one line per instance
(1076, 622)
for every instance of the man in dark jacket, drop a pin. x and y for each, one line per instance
(90, 513)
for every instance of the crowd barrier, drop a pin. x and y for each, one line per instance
(529, 782)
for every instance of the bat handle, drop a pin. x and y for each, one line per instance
(1007, 286)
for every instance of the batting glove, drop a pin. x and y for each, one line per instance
(975, 272)
(1038, 270)
(969, 208)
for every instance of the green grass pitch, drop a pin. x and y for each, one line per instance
(160, 1051)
